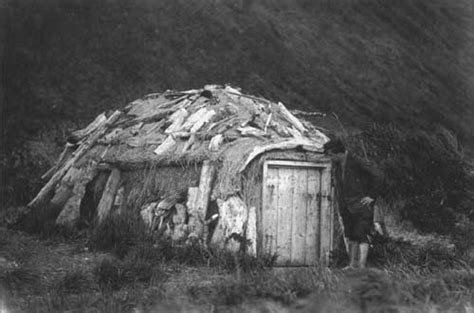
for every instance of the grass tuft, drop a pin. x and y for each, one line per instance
(73, 283)
(118, 233)
(20, 280)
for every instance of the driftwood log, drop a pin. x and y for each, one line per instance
(291, 118)
(251, 231)
(180, 229)
(99, 121)
(216, 142)
(44, 192)
(71, 212)
(197, 204)
(229, 232)
(166, 146)
(108, 196)
(66, 154)
(176, 119)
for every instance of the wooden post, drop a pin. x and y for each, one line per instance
(71, 211)
(198, 208)
(191, 204)
(63, 190)
(338, 176)
(326, 215)
(108, 196)
(251, 231)
(233, 215)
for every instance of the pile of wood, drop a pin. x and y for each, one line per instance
(217, 128)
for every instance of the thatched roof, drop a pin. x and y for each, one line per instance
(215, 123)
(191, 126)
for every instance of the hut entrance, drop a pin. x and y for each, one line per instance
(296, 217)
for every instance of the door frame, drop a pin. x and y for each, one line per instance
(326, 220)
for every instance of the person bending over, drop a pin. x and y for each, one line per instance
(361, 185)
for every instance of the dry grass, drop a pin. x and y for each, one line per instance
(154, 277)
(153, 182)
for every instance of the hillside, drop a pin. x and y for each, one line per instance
(405, 63)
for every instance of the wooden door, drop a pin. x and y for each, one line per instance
(296, 221)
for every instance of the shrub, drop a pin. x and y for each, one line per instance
(20, 280)
(109, 274)
(425, 168)
(430, 257)
(190, 254)
(232, 261)
(113, 273)
(136, 270)
(118, 233)
(73, 283)
(153, 253)
(428, 215)
(40, 221)
(372, 289)
(447, 288)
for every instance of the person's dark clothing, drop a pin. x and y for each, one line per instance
(361, 179)
(360, 224)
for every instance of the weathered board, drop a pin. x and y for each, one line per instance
(326, 215)
(296, 221)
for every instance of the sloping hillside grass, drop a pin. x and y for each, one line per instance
(404, 64)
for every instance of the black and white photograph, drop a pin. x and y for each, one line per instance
(210, 156)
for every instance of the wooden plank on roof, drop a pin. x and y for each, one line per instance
(177, 119)
(98, 122)
(155, 127)
(250, 97)
(280, 129)
(252, 131)
(268, 119)
(294, 132)
(193, 118)
(203, 120)
(291, 118)
(216, 142)
(189, 143)
(166, 146)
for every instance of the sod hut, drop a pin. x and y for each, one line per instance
(212, 165)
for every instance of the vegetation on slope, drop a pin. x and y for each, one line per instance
(52, 276)
(404, 65)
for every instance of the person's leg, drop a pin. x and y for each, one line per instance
(363, 252)
(354, 254)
